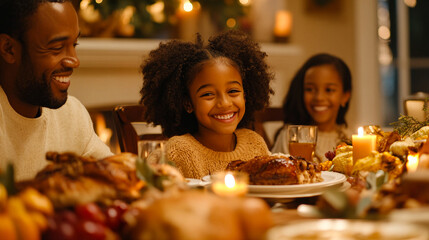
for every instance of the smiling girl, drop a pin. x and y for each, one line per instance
(204, 97)
(319, 94)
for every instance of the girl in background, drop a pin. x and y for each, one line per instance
(319, 94)
(204, 97)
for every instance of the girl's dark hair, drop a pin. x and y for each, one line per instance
(169, 70)
(294, 107)
(14, 15)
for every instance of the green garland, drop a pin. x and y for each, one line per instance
(219, 11)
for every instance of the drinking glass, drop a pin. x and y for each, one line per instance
(152, 151)
(302, 141)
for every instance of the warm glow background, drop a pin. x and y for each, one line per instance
(109, 72)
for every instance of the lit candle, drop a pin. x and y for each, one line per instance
(412, 162)
(230, 184)
(363, 145)
(188, 15)
(283, 24)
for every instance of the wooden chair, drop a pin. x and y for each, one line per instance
(271, 114)
(125, 118)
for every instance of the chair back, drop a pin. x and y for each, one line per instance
(268, 115)
(126, 117)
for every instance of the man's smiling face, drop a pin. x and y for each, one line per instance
(48, 55)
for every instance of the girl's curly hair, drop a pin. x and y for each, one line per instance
(169, 70)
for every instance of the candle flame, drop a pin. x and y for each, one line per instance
(229, 180)
(412, 162)
(360, 131)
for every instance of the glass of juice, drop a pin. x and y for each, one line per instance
(302, 141)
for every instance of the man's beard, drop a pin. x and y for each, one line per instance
(35, 91)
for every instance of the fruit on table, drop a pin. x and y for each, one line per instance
(91, 230)
(61, 226)
(90, 211)
(7, 228)
(39, 219)
(23, 216)
(114, 215)
(3, 197)
(86, 221)
(343, 160)
(35, 201)
(24, 225)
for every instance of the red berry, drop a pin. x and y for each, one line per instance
(121, 206)
(330, 155)
(113, 218)
(61, 226)
(90, 211)
(67, 216)
(89, 230)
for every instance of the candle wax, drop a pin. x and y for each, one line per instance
(363, 145)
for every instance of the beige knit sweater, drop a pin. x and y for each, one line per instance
(25, 141)
(196, 161)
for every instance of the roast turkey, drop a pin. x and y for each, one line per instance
(278, 170)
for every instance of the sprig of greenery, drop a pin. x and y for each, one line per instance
(146, 173)
(406, 125)
(7, 178)
(147, 27)
(338, 204)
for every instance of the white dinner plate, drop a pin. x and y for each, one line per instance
(329, 179)
(347, 229)
(192, 182)
(314, 192)
(207, 178)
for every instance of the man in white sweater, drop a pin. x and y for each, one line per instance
(37, 58)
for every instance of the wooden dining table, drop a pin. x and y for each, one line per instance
(287, 212)
(293, 213)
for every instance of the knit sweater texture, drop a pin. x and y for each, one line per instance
(25, 141)
(194, 160)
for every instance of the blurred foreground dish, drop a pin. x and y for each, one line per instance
(197, 215)
(71, 180)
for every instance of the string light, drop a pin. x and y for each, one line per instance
(84, 4)
(384, 32)
(156, 11)
(187, 6)
(410, 3)
(245, 2)
(231, 22)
